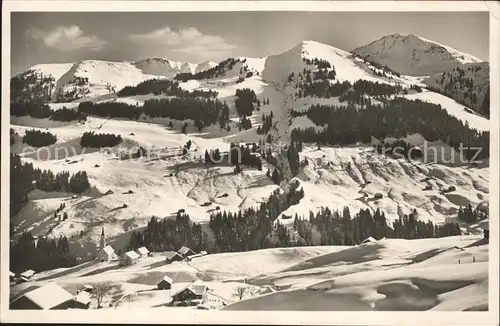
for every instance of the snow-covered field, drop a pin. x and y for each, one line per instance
(389, 274)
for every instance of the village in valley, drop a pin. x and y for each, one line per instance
(184, 292)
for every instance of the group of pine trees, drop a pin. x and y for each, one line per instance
(37, 138)
(93, 140)
(165, 87)
(293, 157)
(24, 178)
(397, 118)
(169, 234)
(46, 180)
(267, 123)
(245, 123)
(80, 88)
(43, 111)
(244, 155)
(357, 93)
(246, 230)
(251, 229)
(322, 89)
(65, 114)
(32, 108)
(30, 91)
(213, 157)
(39, 255)
(244, 103)
(204, 112)
(470, 215)
(341, 228)
(320, 63)
(375, 88)
(464, 90)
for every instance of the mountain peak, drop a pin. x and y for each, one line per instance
(411, 54)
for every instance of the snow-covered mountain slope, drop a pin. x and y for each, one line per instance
(91, 78)
(278, 67)
(168, 68)
(468, 84)
(204, 66)
(56, 70)
(335, 177)
(413, 55)
(390, 274)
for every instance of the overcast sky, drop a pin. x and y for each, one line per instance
(196, 37)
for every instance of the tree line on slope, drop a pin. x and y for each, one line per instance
(43, 111)
(204, 112)
(169, 234)
(398, 118)
(37, 138)
(254, 229)
(251, 229)
(47, 254)
(386, 71)
(165, 87)
(341, 228)
(320, 63)
(24, 178)
(93, 140)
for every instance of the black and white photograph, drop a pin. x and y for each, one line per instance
(205, 159)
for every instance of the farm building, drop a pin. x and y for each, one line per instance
(185, 251)
(165, 283)
(171, 256)
(82, 300)
(190, 292)
(143, 252)
(50, 296)
(211, 299)
(129, 258)
(87, 288)
(106, 254)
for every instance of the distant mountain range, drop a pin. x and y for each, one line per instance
(406, 54)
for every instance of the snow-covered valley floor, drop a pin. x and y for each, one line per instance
(390, 274)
